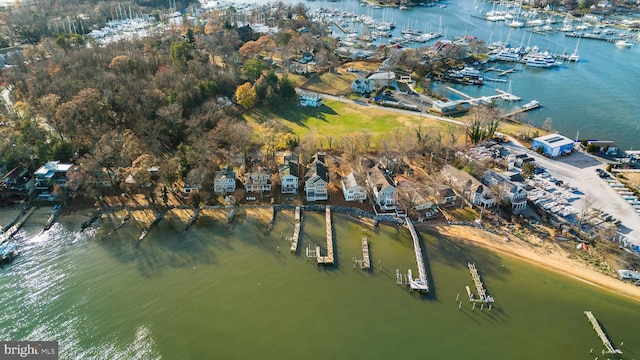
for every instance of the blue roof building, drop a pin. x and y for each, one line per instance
(553, 145)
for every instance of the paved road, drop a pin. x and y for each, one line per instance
(579, 170)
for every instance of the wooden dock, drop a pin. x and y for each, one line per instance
(601, 334)
(296, 230)
(328, 259)
(366, 260)
(14, 229)
(420, 283)
(482, 291)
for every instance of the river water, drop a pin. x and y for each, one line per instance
(212, 293)
(597, 97)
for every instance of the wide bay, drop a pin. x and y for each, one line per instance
(214, 293)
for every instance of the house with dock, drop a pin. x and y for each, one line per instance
(257, 180)
(16, 186)
(352, 190)
(289, 173)
(383, 188)
(224, 180)
(317, 179)
(50, 175)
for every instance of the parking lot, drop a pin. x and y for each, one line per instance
(578, 171)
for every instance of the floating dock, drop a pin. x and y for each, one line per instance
(296, 230)
(601, 334)
(328, 259)
(420, 283)
(482, 291)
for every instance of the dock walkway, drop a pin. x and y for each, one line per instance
(14, 229)
(601, 334)
(420, 283)
(366, 260)
(328, 259)
(482, 291)
(296, 230)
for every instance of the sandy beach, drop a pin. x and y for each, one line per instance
(549, 255)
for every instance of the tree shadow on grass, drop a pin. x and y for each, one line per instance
(295, 114)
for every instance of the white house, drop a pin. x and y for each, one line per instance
(316, 180)
(257, 180)
(193, 182)
(385, 193)
(289, 173)
(310, 99)
(362, 85)
(50, 174)
(380, 79)
(470, 188)
(224, 181)
(511, 192)
(351, 190)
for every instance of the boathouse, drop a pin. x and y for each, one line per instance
(553, 145)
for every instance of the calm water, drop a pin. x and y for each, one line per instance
(214, 294)
(597, 96)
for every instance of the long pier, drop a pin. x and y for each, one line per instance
(420, 283)
(296, 230)
(328, 259)
(366, 260)
(482, 291)
(601, 334)
(14, 229)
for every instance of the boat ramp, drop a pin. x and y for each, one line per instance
(601, 334)
(296, 230)
(482, 291)
(328, 259)
(420, 283)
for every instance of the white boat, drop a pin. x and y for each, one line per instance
(623, 44)
(470, 72)
(507, 56)
(531, 105)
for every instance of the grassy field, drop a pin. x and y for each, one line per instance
(338, 120)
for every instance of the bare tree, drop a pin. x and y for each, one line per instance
(585, 208)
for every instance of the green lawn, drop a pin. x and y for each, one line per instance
(337, 120)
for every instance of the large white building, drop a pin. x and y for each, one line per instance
(553, 145)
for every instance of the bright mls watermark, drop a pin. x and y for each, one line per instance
(33, 350)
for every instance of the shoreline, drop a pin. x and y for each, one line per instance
(554, 259)
(549, 256)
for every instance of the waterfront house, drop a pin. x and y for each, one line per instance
(224, 180)
(53, 173)
(289, 173)
(257, 180)
(16, 186)
(362, 85)
(445, 195)
(470, 188)
(411, 198)
(383, 189)
(193, 182)
(316, 179)
(507, 190)
(352, 190)
(553, 145)
(310, 99)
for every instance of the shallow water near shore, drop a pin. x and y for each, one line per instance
(211, 292)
